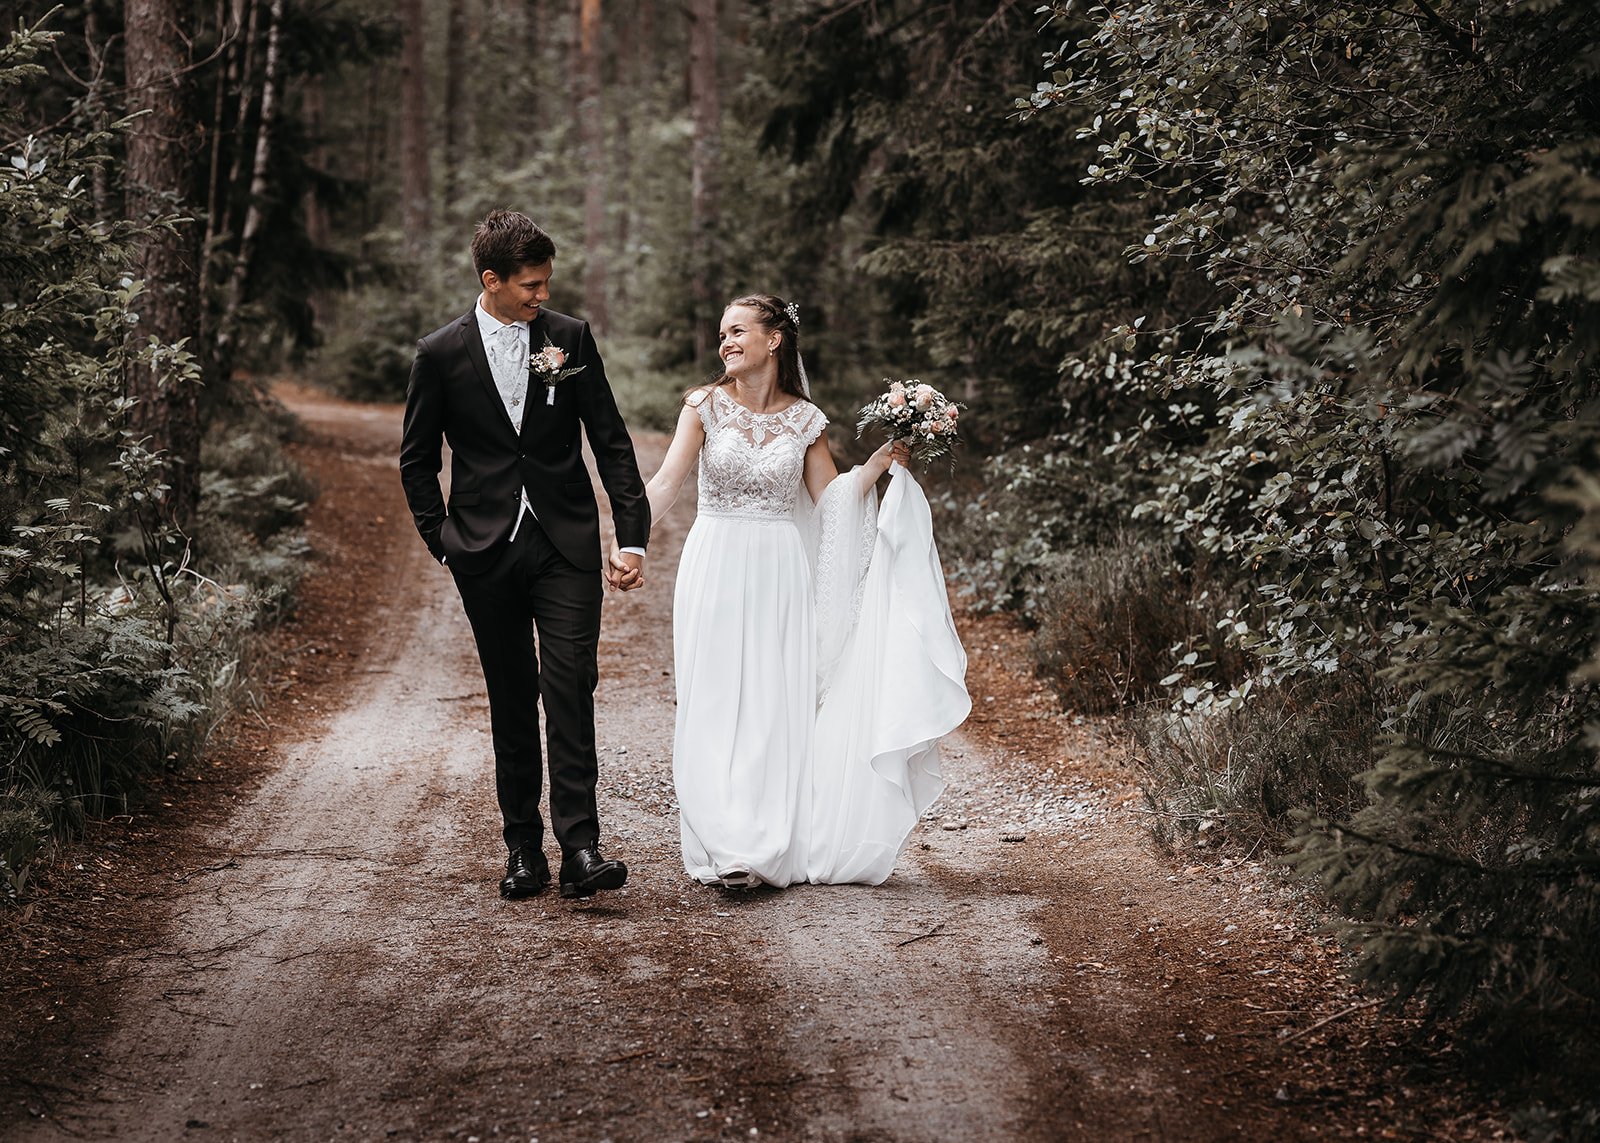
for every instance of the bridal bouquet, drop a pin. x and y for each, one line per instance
(916, 413)
(548, 366)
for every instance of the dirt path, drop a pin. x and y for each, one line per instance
(334, 962)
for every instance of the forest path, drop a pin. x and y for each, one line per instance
(341, 966)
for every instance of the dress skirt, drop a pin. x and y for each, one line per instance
(744, 652)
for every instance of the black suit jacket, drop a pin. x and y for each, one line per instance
(452, 397)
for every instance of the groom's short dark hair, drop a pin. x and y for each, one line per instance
(507, 240)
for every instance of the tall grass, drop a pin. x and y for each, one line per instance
(1113, 621)
(1241, 774)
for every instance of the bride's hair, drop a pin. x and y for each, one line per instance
(775, 315)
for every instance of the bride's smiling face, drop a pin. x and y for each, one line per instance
(743, 343)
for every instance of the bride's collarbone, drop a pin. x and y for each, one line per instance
(773, 412)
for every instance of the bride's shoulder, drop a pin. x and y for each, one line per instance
(699, 400)
(698, 396)
(809, 421)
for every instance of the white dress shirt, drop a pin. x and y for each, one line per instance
(507, 348)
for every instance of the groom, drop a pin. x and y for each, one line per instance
(521, 534)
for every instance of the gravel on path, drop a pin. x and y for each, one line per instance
(327, 956)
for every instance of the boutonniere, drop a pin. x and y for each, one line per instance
(549, 366)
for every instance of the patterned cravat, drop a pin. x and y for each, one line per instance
(508, 360)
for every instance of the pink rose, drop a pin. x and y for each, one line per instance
(952, 412)
(897, 398)
(924, 395)
(554, 355)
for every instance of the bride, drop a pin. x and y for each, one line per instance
(816, 661)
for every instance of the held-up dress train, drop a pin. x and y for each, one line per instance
(817, 664)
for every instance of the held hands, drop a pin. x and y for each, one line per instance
(624, 571)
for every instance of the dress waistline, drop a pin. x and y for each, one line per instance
(746, 514)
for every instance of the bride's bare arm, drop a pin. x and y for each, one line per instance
(820, 469)
(663, 488)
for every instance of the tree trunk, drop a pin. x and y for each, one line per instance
(230, 25)
(228, 327)
(538, 34)
(160, 172)
(242, 70)
(416, 198)
(629, 81)
(375, 135)
(319, 227)
(592, 132)
(96, 105)
(645, 22)
(645, 97)
(705, 147)
(458, 63)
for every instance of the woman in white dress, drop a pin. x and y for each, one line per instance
(745, 630)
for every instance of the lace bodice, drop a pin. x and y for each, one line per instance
(752, 463)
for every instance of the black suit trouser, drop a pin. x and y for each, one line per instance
(531, 587)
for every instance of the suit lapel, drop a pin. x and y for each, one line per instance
(472, 339)
(536, 393)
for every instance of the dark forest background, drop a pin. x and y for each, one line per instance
(1277, 325)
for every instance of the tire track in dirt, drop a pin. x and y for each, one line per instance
(349, 971)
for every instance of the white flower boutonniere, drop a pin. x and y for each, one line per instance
(547, 367)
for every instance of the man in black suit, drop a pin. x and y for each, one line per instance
(521, 534)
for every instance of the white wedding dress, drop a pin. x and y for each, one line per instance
(817, 663)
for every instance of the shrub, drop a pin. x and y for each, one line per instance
(1238, 773)
(1113, 622)
(1394, 375)
(118, 640)
(368, 355)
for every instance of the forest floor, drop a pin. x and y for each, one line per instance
(303, 940)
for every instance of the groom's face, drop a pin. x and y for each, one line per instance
(518, 297)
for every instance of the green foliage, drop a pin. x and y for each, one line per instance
(649, 397)
(1367, 422)
(25, 816)
(1112, 619)
(367, 355)
(1030, 503)
(112, 639)
(896, 119)
(1239, 774)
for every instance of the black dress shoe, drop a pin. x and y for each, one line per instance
(527, 873)
(585, 871)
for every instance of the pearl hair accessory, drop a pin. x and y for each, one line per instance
(793, 310)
